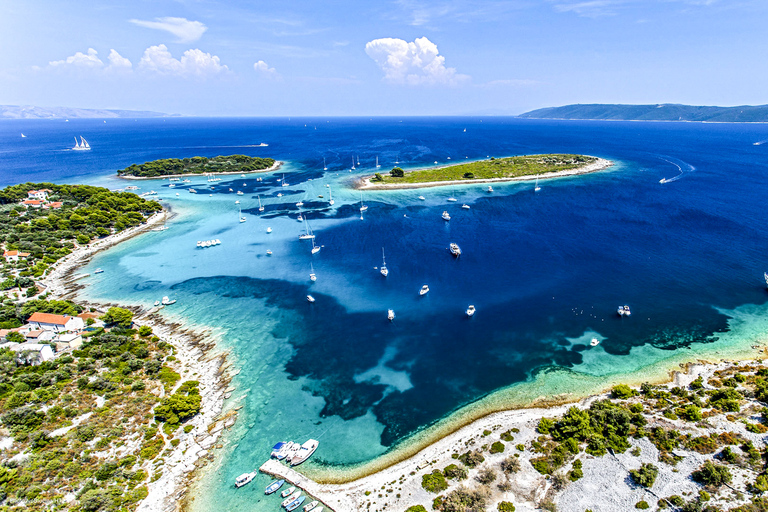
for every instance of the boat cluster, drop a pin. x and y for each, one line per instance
(165, 302)
(202, 244)
(623, 311)
(294, 453)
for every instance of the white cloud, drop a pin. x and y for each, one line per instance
(263, 69)
(89, 59)
(192, 63)
(118, 62)
(416, 63)
(185, 31)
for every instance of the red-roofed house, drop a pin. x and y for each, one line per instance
(34, 203)
(14, 255)
(42, 195)
(54, 204)
(56, 323)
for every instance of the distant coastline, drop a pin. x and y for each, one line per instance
(663, 112)
(367, 184)
(33, 112)
(274, 167)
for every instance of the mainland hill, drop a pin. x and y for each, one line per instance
(32, 112)
(660, 112)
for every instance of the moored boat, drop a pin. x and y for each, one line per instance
(310, 299)
(390, 314)
(281, 450)
(595, 342)
(166, 301)
(624, 311)
(470, 310)
(765, 275)
(424, 290)
(274, 486)
(465, 206)
(445, 216)
(244, 479)
(422, 198)
(455, 249)
(295, 504)
(311, 506)
(287, 492)
(305, 452)
(290, 499)
(384, 270)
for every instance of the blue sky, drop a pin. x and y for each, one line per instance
(400, 57)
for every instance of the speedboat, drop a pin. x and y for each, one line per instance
(470, 310)
(446, 216)
(310, 299)
(166, 301)
(424, 290)
(290, 499)
(98, 271)
(624, 311)
(269, 252)
(287, 492)
(595, 342)
(490, 188)
(455, 249)
(305, 452)
(390, 314)
(274, 486)
(295, 504)
(245, 478)
(157, 303)
(310, 506)
(465, 206)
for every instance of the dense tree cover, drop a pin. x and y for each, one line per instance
(197, 165)
(49, 234)
(118, 316)
(181, 405)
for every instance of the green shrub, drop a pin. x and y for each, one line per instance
(642, 505)
(712, 474)
(622, 391)
(690, 413)
(471, 458)
(416, 508)
(455, 472)
(145, 331)
(507, 436)
(434, 482)
(545, 426)
(505, 506)
(497, 447)
(645, 476)
(397, 172)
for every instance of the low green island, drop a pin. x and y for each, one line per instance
(222, 164)
(491, 169)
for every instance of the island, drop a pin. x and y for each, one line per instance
(176, 167)
(515, 168)
(655, 112)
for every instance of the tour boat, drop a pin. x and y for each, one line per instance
(390, 314)
(310, 506)
(167, 302)
(310, 299)
(362, 206)
(312, 275)
(465, 206)
(384, 271)
(290, 499)
(245, 478)
(446, 216)
(305, 452)
(490, 188)
(274, 486)
(624, 311)
(424, 290)
(455, 249)
(295, 503)
(470, 310)
(82, 146)
(595, 342)
(261, 208)
(287, 492)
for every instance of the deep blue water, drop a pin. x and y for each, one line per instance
(540, 267)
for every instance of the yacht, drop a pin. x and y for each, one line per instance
(290, 499)
(308, 234)
(424, 290)
(312, 275)
(465, 206)
(390, 314)
(274, 486)
(82, 146)
(167, 302)
(455, 249)
(325, 168)
(305, 452)
(281, 451)
(490, 188)
(353, 161)
(377, 162)
(470, 310)
(245, 478)
(287, 492)
(384, 271)
(310, 299)
(315, 248)
(446, 216)
(284, 184)
(295, 503)
(624, 311)
(595, 342)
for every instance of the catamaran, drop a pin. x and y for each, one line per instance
(384, 271)
(82, 146)
(362, 205)
(455, 249)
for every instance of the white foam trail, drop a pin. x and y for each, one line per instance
(679, 168)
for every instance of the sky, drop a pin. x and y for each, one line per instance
(380, 58)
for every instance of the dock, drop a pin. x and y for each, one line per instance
(330, 496)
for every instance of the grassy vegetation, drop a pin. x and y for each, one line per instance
(528, 165)
(197, 165)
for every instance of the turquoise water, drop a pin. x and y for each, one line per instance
(545, 270)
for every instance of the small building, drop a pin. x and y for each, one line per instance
(54, 205)
(34, 203)
(41, 195)
(14, 255)
(55, 323)
(40, 352)
(68, 341)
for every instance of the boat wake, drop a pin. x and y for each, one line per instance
(760, 142)
(679, 168)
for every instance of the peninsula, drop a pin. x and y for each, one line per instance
(516, 168)
(656, 112)
(175, 167)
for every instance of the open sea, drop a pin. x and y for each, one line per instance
(546, 270)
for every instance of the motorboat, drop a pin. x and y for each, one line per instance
(424, 290)
(305, 452)
(595, 342)
(445, 216)
(237, 202)
(465, 206)
(269, 252)
(422, 198)
(282, 449)
(310, 299)
(310, 506)
(765, 275)
(269, 230)
(240, 192)
(290, 499)
(390, 314)
(157, 303)
(452, 199)
(470, 310)
(624, 311)
(490, 188)
(274, 486)
(98, 271)
(455, 249)
(167, 302)
(287, 492)
(244, 479)
(300, 204)
(295, 504)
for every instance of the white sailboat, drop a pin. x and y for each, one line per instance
(536, 188)
(261, 208)
(307, 234)
(358, 160)
(330, 196)
(283, 180)
(312, 276)
(82, 145)
(325, 168)
(24, 136)
(384, 271)
(362, 205)
(353, 163)
(377, 162)
(315, 248)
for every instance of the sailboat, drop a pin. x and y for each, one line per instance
(453, 198)
(330, 196)
(312, 276)
(358, 160)
(536, 188)
(242, 219)
(308, 234)
(82, 145)
(261, 208)
(284, 183)
(24, 136)
(325, 168)
(383, 270)
(765, 275)
(377, 162)
(353, 163)
(362, 205)
(315, 248)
